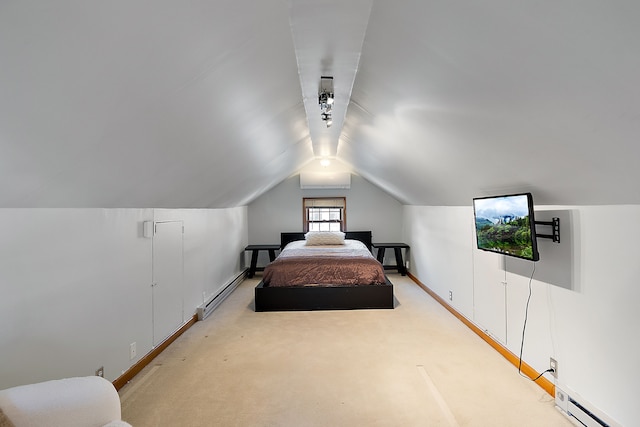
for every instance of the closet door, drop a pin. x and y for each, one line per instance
(490, 294)
(167, 293)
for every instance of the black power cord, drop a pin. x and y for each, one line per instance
(524, 328)
(538, 377)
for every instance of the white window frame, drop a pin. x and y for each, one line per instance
(324, 214)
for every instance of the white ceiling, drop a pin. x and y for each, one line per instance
(211, 103)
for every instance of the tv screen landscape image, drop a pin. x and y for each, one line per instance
(506, 225)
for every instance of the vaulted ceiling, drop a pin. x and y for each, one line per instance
(211, 103)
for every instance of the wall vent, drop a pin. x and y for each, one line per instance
(203, 311)
(325, 180)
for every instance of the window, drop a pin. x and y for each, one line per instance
(324, 213)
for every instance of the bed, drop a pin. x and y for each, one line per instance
(332, 290)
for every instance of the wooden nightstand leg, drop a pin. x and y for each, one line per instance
(401, 269)
(254, 263)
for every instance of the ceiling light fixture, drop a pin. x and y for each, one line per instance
(326, 99)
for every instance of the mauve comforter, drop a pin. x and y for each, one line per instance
(339, 265)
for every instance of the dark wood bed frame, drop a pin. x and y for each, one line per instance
(296, 298)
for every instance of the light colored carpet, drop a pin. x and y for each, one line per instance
(415, 365)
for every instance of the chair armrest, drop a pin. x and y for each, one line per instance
(70, 402)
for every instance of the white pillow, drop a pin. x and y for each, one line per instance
(318, 238)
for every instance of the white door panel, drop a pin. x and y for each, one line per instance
(489, 294)
(168, 296)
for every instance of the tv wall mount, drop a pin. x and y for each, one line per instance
(555, 229)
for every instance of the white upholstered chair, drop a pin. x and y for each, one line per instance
(69, 402)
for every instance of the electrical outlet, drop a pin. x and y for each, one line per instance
(100, 372)
(450, 295)
(553, 364)
(132, 351)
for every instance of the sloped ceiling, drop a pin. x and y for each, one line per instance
(457, 99)
(211, 103)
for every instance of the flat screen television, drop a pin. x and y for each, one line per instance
(506, 225)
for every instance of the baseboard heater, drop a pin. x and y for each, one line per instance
(207, 308)
(583, 415)
(578, 412)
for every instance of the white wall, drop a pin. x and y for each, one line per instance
(589, 326)
(439, 238)
(368, 208)
(75, 284)
(214, 243)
